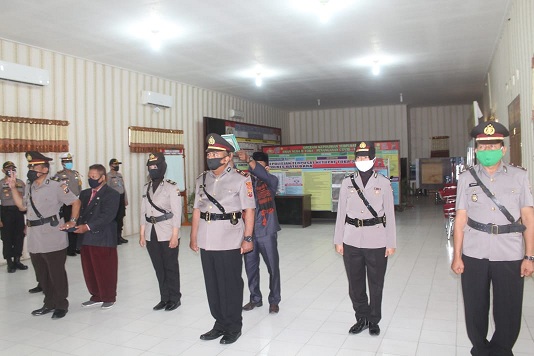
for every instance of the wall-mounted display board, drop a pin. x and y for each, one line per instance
(434, 173)
(318, 169)
(251, 138)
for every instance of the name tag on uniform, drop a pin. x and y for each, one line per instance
(473, 184)
(378, 190)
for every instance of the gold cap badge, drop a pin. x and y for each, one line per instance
(211, 140)
(489, 130)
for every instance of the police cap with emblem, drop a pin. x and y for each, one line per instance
(114, 161)
(34, 157)
(66, 157)
(8, 164)
(155, 159)
(217, 143)
(365, 148)
(489, 132)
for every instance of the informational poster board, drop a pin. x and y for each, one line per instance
(175, 167)
(318, 169)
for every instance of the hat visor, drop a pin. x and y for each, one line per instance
(215, 149)
(491, 141)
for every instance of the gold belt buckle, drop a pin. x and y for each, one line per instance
(360, 222)
(207, 217)
(494, 229)
(153, 220)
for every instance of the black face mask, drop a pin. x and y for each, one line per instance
(32, 176)
(155, 174)
(93, 183)
(115, 168)
(214, 163)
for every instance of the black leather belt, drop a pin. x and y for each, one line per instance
(213, 216)
(53, 220)
(157, 219)
(366, 222)
(496, 229)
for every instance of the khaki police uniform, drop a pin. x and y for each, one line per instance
(115, 180)
(158, 232)
(73, 180)
(13, 222)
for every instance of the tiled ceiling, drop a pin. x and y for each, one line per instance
(441, 49)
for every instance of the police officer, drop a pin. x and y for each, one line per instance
(47, 243)
(493, 241)
(73, 180)
(115, 181)
(12, 221)
(365, 236)
(161, 214)
(218, 230)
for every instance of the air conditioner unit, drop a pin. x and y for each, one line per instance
(237, 114)
(23, 74)
(153, 98)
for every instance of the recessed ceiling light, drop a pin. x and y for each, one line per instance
(155, 30)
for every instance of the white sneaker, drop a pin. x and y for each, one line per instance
(91, 303)
(107, 305)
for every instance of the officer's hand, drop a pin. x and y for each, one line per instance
(246, 247)
(81, 229)
(527, 267)
(457, 266)
(193, 244)
(389, 252)
(1, 225)
(142, 241)
(339, 248)
(242, 155)
(12, 180)
(174, 242)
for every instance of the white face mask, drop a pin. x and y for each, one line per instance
(364, 166)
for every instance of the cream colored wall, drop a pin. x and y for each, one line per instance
(101, 101)
(510, 74)
(350, 124)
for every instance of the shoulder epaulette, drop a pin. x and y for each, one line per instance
(377, 173)
(170, 181)
(243, 173)
(61, 171)
(348, 174)
(200, 175)
(516, 166)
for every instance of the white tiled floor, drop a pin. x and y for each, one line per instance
(422, 306)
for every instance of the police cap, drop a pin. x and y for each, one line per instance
(155, 159)
(34, 157)
(365, 148)
(217, 143)
(261, 156)
(66, 157)
(8, 164)
(489, 132)
(114, 161)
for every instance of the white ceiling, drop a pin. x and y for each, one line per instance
(442, 48)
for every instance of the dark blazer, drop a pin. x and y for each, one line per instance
(99, 214)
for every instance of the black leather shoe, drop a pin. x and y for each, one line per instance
(37, 289)
(274, 309)
(42, 311)
(11, 268)
(19, 264)
(71, 253)
(212, 334)
(361, 325)
(374, 329)
(230, 338)
(172, 305)
(124, 241)
(59, 313)
(252, 305)
(161, 305)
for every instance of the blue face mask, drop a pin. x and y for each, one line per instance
(68, 165)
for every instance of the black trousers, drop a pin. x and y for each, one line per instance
(67, 214)
(119, 218)
(224, 287)
(165, 262)
(359, 264)
(52, 277)
(12, 232)
(505, 277)
(267, 247)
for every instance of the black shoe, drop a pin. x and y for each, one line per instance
(124, 241)
(172, 305)
(374, 329)
(252, 305)
(42, 311)
(161, 305)
(274, 309)
(212, 334)
(230, 338)
(37, 289)
(19, 265)
(78, 252)
(11, 268)
(71, 253)
(361, 325)
(59, 313)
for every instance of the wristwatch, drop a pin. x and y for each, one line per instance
(530, 258)
(250, 159)
(247, 238)
(73, 220)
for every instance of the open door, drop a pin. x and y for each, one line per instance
(514, 118)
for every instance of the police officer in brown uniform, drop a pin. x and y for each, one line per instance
(365, 235)
(493, 241)
(11, 221)
(218, 230)
(47, 243)
(73, 180)
(116, 181)
(161, 214)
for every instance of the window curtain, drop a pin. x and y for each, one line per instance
(19, 134)
(147, 139)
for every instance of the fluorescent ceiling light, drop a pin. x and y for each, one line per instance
(155, 30)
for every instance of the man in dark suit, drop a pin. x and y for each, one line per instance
(98, 238)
